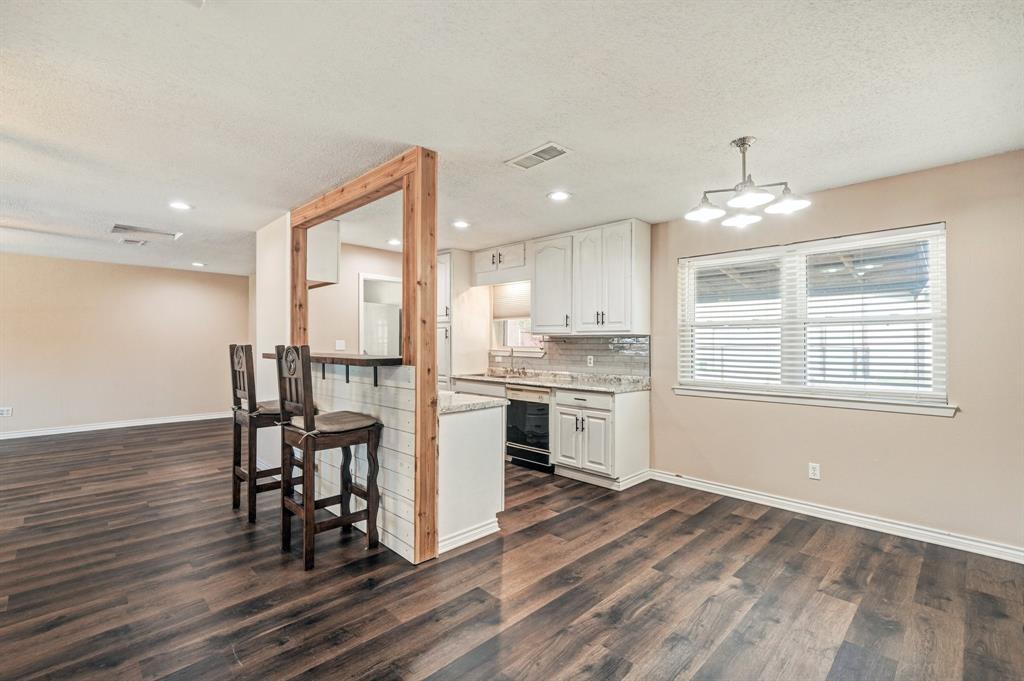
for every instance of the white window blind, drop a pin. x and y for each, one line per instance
(510, 301)
(860, 317)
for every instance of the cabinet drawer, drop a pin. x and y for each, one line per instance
(486, 388)
(573, 398)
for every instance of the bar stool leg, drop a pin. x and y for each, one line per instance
(346, 487)
(286, 491)
(236, 460)
(251, 480)
(372, 491)
(308, 504)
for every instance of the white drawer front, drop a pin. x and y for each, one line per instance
(574, 398)
(462, 385)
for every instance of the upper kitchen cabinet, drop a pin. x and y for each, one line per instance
(503, 264)
(551, 302)
(611, 270)
(322, 250)
(444, 287)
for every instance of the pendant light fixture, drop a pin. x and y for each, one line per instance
(747, 195)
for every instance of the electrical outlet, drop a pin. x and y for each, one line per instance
(339, 345)
(590, 360)
(6, 411)
(814, 471)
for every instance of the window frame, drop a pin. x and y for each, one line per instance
(794, 320)
(498, 347)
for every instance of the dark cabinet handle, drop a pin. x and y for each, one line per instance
(567, 320)
(577, 424)
(447, 312)
(583, 423)
(602, 319)
(499, 257)
(597, 317)
(492, 258)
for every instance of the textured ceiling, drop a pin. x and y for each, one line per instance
(109, 110)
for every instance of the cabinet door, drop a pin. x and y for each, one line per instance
(444, 351)
(617, 255)
(513, 255)
(485, 261)
(588, 281)
(566, 441)
(596, 436)
(551, 304)
(444, 287)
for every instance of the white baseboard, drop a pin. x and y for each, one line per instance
(899, 528)
(467, 535)
(601, 481)
(85, 427)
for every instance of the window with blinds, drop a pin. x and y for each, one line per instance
(860, 317)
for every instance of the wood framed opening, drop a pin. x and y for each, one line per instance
(414, 173)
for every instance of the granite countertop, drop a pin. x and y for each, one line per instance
(449, 402)
(604, 383)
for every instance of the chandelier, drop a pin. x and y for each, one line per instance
(747, 197)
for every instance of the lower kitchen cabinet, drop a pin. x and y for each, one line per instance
(605, 440)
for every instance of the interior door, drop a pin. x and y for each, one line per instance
(444, 287)
(596, 437)
(617, 252)
(551, 304)
(565, 445)
(588, 281)
(444, 351)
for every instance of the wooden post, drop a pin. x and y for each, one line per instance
(415, 174)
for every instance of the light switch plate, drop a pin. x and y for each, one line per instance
(339, 345)
(6, 411)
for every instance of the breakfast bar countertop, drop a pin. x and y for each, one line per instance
(350, 359)
(449, 402)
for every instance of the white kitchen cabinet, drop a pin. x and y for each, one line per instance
(551, 300)
(322, 254)
(444, 351)
(565, 441)
(444, 287)
(596, 441)
(601, 438)
(611, 278)
(503, 264)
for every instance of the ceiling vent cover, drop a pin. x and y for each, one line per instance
(133, 242)
(542, 154)
(141, 234)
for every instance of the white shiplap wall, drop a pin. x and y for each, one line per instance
(393, 402)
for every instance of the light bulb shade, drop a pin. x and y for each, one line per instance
(741, 220)
(749, 196)
(787, 203)
(704, 211)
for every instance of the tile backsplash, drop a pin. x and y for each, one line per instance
(624, 355)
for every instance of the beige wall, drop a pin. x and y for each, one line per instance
(87, 342)
(963, 475)
(334, 310)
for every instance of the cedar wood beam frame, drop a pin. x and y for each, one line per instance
(414, 173)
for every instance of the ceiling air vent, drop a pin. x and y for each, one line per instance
(140, 235)
(133, 242)
(541, 154)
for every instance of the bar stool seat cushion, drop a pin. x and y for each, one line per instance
(338, 421)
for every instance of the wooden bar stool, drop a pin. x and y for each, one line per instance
(254, 415)
(303, 429)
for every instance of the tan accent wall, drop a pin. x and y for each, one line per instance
(334, 309)
(88, 342)
(963, 475)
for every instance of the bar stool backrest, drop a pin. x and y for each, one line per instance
(295, 384)
(243, 377)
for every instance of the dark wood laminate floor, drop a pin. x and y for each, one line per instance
(120, 558)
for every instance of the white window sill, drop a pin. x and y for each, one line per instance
(518, 352)
(945, 410)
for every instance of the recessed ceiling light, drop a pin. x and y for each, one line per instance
(199, 264)
(460, 224)
(559, 195)
(394, 242)
(179, 205)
